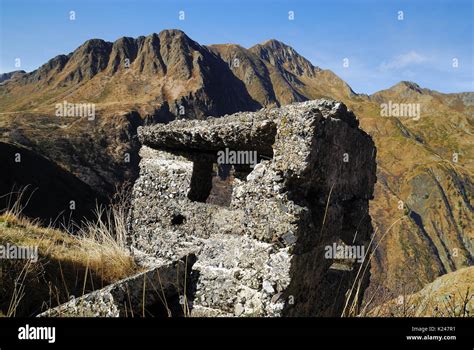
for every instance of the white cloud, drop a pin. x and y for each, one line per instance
(402, 61)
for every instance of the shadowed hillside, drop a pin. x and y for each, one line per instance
(44, 190)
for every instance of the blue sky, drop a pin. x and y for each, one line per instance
(381, 49)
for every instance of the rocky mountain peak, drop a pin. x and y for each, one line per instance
(124, 51)
(403, 90)
(408, 85)
(87, 60)
(93, 45)
(283, 56)
(173, 34)
(168, 52)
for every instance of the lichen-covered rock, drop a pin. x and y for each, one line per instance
(155, 292)
(265, 253)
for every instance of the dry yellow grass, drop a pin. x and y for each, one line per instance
(68, 264)
(95, 248)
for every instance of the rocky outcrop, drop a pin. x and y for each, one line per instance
(266, 254)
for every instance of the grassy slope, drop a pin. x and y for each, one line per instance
(451, 295)
(67, 266)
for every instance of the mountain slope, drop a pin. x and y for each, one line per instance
(309, 81)
(448, 296)
(11, 75)
(275, 74)
(424, 172)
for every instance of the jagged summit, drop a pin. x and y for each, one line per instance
(158, 71)
(97, 55)
(284, 57)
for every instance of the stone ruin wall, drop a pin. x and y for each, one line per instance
(264, 254)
